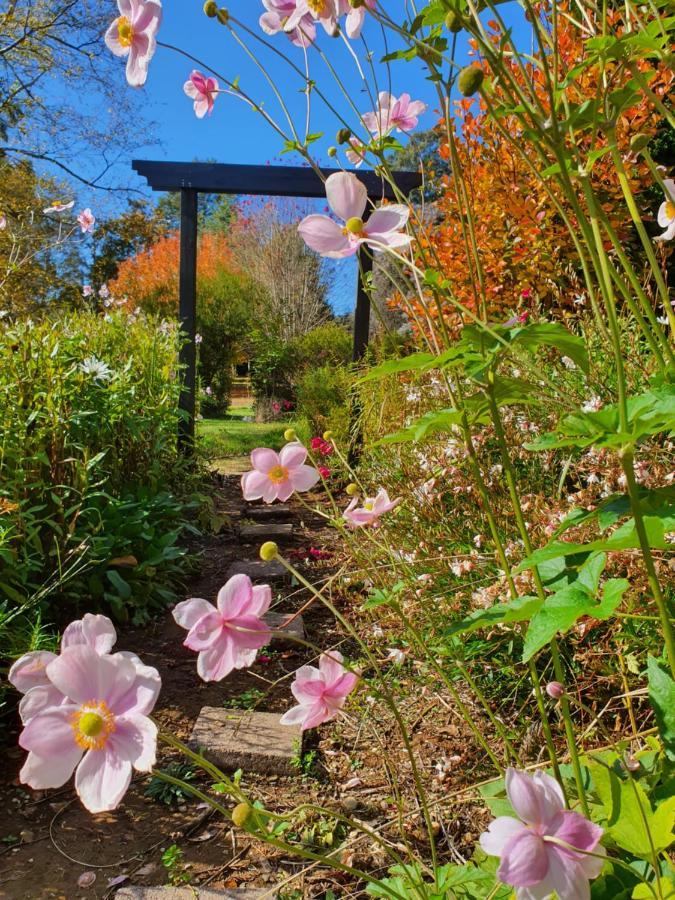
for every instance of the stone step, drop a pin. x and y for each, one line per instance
(293, 633)
(243, 739)
(265, 513)
(189, 893)
(251, 534)
(259, 571)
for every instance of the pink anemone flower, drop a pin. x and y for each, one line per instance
(371, 509)
(276, 476)
(357, 152)
(29, 673)
(102, 730)
(134, 35)
(203, 91)
(229, 635)
(402, 114)
(323, 11)
(86, 220)
(59, 207)
(321, 693)
(348, 198)
(530, 862)
(274, 20)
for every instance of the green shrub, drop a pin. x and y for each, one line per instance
(88, 422)
(328, 344)
(323, 400)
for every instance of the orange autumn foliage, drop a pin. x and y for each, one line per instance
(150, 279)
(526, 251)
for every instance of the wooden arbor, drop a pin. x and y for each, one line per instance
(192, 179)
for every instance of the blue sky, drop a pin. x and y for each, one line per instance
(235, 133)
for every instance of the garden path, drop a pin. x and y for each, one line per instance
(50, 841)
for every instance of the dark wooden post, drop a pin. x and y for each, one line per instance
(188, 315)
(362, 311)
(361, 338)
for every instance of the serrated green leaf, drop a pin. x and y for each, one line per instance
(519, 610)
(662, 699)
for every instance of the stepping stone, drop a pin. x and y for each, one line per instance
(252, 741)
(265, 513)
(252, 533)
(188, 893)
(258, 570)
(294, 632)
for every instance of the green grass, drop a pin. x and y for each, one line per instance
(232, 436)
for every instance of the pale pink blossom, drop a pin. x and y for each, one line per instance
(3, 221)
(321, 693)
(323, 11)
(203, 90)
(101, 730)
(370, 510)
(348, 198)
(29, 673)
(392, 113)
(87, 290)
(530, 861)
(226, 636)
(278, 12)
(134, 35)
(666, 216)
(86, 220)
(59, 207)
(275, 476)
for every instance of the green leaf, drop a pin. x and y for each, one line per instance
(519, 610)
(552, 334)
(631, 821)
(662, 699)
(431, 423)
(558, 613)
(120, 585)
(645, 892)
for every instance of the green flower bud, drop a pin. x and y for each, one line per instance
(343, 136)
(269, 551)
(211, 9)
(332, 152)
(470, 80)
(290, 435)
(241, 814)
(453, 21)
(223, 16)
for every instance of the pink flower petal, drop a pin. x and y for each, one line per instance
(134, 740)
(254, 485)
(216, 662)
(295, 716)
(326, 237)
(387, 218)
(206, 632)
(577, 831)
(499, 833)
(534, 802)
(95, 630)
(38, 700)
(263, 459)
(292, 455)
(82, 675)
(50, 733)
(189, 612)
(260, 600)
(235, 597)
(346, 195)
(303, 478)
(102, 779)
(44, 773)
(524, 861)
(30, 670)
(141, 697)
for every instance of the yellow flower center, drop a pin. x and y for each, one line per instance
(278, 474)
(92, 725)
(317, 6)
(368, 505)
(670, 209)
(353, 226)
(125, 31)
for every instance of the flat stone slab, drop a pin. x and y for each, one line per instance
(243, 739)
(291, 633)
(264, 532)
(265, 513)
(187, 893)
(258, 570)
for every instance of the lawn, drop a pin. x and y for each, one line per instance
(232, 436)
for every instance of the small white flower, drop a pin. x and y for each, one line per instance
(396, 655)
(666, 215)
(198, 339)
(592, 405)
(99, 370)
(662, 320)
(104, 292)
(568, 363)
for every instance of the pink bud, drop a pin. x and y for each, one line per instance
(555, 690)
